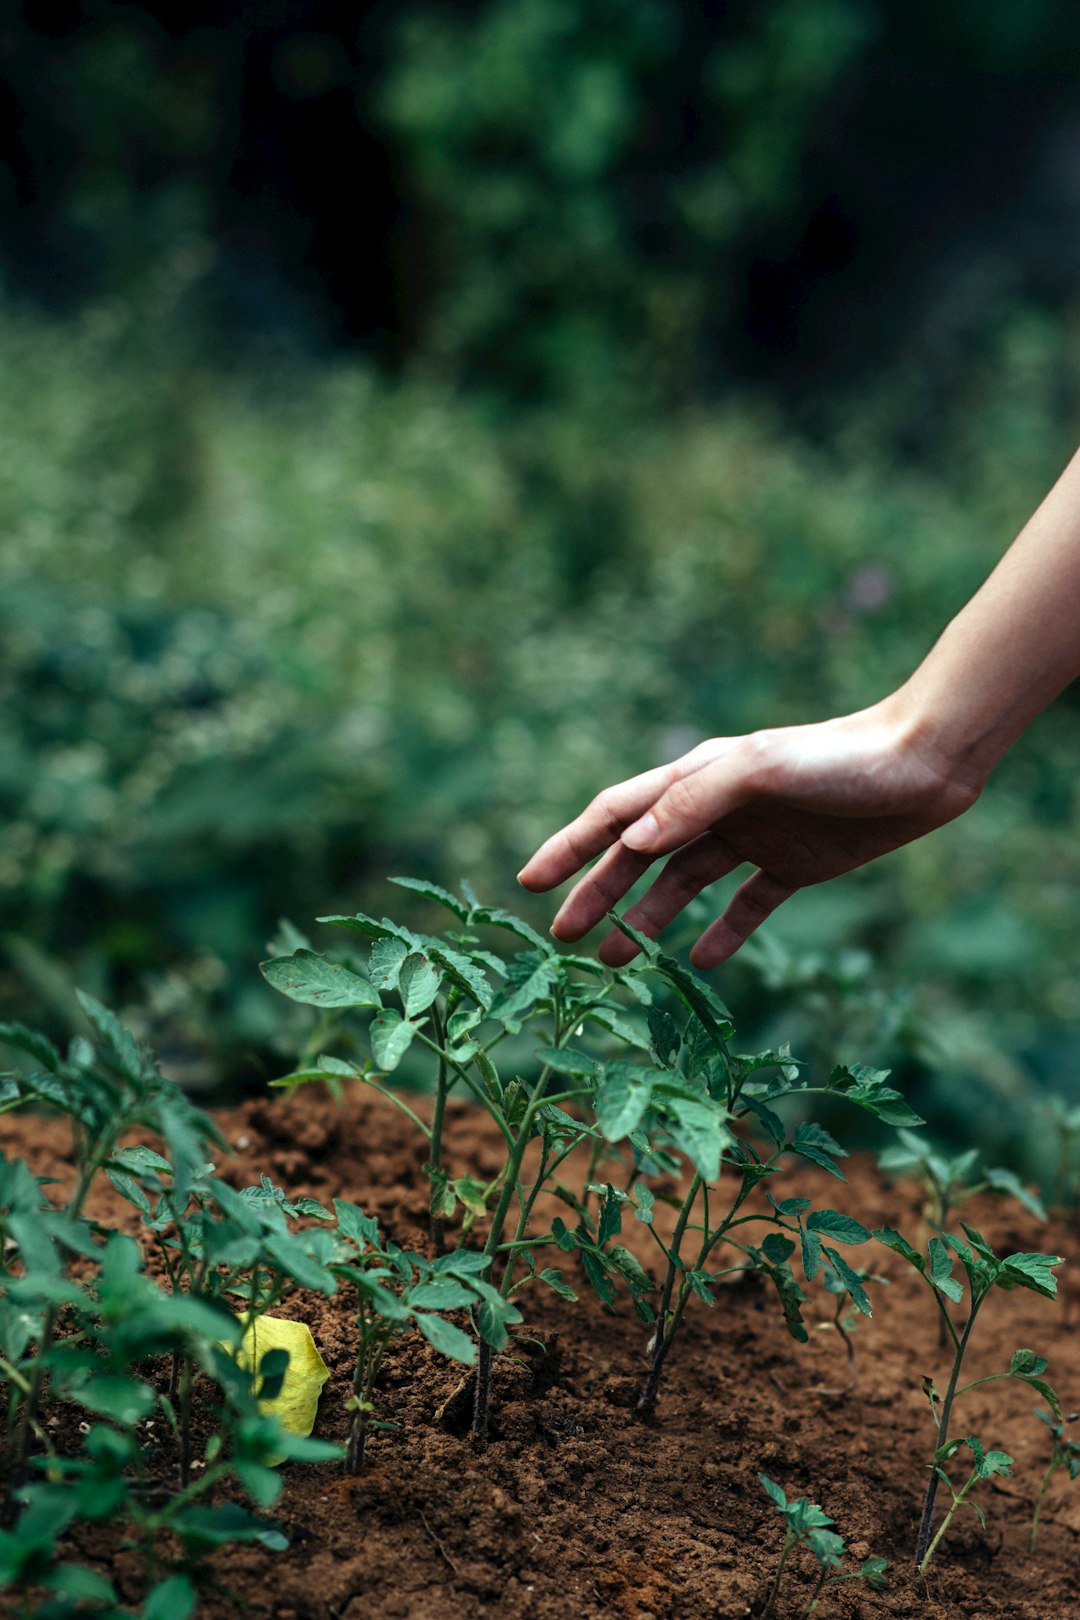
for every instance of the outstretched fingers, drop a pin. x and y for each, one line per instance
(756, 900)
(685, 875)
(694, 803)
(614, 874)
(596, 829)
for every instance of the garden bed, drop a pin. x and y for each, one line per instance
(577, 1508)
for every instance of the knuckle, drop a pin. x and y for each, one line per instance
(603, 811)
(758, 759)
(679, 803)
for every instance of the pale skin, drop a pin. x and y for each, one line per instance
(801, 804)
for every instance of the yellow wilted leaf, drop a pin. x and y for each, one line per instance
(296, 1403)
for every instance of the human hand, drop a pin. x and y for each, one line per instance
(802, 804)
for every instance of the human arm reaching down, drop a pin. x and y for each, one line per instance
(805, 803)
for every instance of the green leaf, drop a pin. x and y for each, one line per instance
(555, 1280)
(384, 962)
(494, 1315)
(118, 1043)
(111, 1395)
(772, 1122)
(645, 1200)
(361, 924)
(648, 947)
(851, 1281)
(1049, 1395)
(813, 1142)
(448, 1339)
(472, 1193)
(610, 1217)
(311, 979)
(129, 1188)
(811, 1253)
(391, 1036)
(1005, 1181)
(567, 1060)
(203, 1527)
(866, 1088)
(34, 1045)
(171, 1599)
(598, 1276)
(530, 978)
(773, 1490)
(496, 917)
(432, 891)
(1032, 1271)
(418, 984)
(941, 1271)
(699, 1128)
(791, 1299)
(631, 1270)
(841, 1228)
(899, 1244)
(623, 1099)
(826, 1546)
(777, 1248)
(139, 1158)
(665, 1035)
(872, 1571)
(1026, 1364)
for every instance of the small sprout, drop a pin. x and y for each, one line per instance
(984, 1271)
(807, 1525)
(986, 1465)
(1065, 1454)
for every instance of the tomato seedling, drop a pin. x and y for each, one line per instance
(1065, 1453)
(807, 1525)
(984, 1271)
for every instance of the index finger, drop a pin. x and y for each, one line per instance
(596, 829)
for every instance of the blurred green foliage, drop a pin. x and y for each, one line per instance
(268, 637)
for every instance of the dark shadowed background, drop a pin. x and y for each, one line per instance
(417, 416)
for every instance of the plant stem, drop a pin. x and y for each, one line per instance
(921, 1555)
(665, 1330)
(770, 1601)
(482, 1398)
(1047, 1477)
(958, 1500)
(816, 1594)
(435, 1228)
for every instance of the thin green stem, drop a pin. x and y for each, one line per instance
(769, 1606)
(959, 1498)
(1040, 1497)
(664, 1329)
(925, 1523)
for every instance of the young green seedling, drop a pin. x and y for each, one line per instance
(698, 1061)
(987, 1464)
(1065, 1453)
(985, 1271)
(418, 990)
(397, 1290)
(1066, 1119)
(103, 1088)
(948, 1183)
(951, 1182)
(807, 1525)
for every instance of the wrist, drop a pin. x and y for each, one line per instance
(927, 726)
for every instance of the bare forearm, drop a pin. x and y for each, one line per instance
(1011, 649)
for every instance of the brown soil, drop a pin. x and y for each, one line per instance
(577, 1510)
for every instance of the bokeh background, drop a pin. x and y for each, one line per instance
(416, 416)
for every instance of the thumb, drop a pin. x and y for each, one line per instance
(693, 804)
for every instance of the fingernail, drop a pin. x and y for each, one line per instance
(642, 833)
(522, 873)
